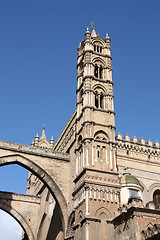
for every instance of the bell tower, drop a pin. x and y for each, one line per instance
(97, 187)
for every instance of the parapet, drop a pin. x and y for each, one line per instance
(134, 140)
(137, 146)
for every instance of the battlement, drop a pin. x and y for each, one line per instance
(132, 143)
(133, 149)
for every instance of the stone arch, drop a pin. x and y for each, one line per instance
(43, 176)
(17, 216)
(101, 135)
(99, 61)
(99, 41)
(100, 87)
(71, 221)
(103, 213)
(152, 189)
(99, 96)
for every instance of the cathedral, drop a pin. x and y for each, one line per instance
(89, 184)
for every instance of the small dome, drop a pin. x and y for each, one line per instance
(127, 179)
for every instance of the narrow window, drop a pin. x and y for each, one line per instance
(96, 71)
(96, 100)
(94, 48)
(156, 199)
(98, 154)
(100, 72)
(97, 48)
(101, 101)
(100, 49)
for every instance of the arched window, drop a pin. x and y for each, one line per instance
(101, 101)
(96, 71)
(96, 100)
(98, 154)
(156, 199)
(100, 72)
(97, 48)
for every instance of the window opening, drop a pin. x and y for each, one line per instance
(133, 193)
(100, 72)
(156, 199)
(96, 71)
(98, 154)
(101, 101)
(96, 100)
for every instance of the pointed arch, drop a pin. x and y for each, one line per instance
(43, 176)
(152, 188)
(100, 87)
(99, 60)
(101, 135)
(18, 217)
(103, 213)
(98, 40)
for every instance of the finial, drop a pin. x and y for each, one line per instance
(87, 31)
(107, 36)
(37, 136)
(87, 34)
(52, 142)
(44, 126)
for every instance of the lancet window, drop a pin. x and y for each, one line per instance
(156, 199)
(99, 100)
(98, 48)
(98, 71)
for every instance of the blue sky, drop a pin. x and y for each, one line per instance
(38, 52)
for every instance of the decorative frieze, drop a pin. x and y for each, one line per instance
(139, 147)
(104, 194)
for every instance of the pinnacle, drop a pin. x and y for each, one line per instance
(107, 36)
(43, 135)
(93, 34)
(87, 31)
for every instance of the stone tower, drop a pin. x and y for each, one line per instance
(73, 190)
(97, 187)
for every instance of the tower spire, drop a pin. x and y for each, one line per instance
(93, 34)
(43, 134)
